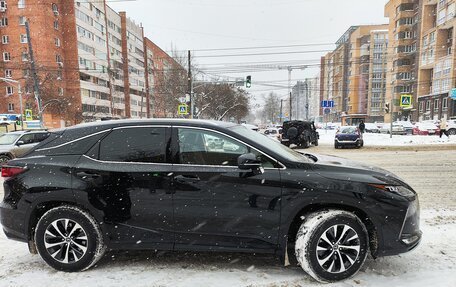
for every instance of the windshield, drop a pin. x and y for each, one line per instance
(8, 139)
(270, 144)
(348, 130)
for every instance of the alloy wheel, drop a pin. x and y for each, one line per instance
(338, 248)
(65, 241)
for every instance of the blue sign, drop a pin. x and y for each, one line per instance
(327, 104)
(327, 111)
(453, 94)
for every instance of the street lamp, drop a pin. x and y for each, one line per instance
(19, 91)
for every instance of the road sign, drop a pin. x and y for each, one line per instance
(327, 111)
(406, 101)
(327, 104)
(182, 110)
(453, 94)
(28, 115)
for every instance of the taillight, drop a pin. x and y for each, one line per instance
(10, 171)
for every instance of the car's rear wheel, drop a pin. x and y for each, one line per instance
(69, 239)
(452, 132)
(331, 245)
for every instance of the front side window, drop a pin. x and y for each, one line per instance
(141, 144)
(201, 147)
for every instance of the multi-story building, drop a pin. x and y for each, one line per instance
(403, 56)
(354, 75)
(436, 77)
(90, 61)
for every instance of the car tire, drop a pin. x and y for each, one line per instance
(69, 239)
(316, 142)
(306, 143)
(336, 145)
(452, 132)
(4, 159)
(318, 249)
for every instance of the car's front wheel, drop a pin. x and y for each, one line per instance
(69, 239)
(4, 159)
(331, 245)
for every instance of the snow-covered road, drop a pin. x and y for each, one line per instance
(431, 173)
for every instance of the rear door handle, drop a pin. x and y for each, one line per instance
(187, 178)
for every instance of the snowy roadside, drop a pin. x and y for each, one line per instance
(327, 138)
(432, 264)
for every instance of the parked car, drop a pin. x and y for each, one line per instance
(300, 133)
(273, 133)
(348, 136)
(252, 127)
(372, 128)
(451, 127)
(154, 184)
(424, 129)
(408, 126)
(16, 144)
(397, 129)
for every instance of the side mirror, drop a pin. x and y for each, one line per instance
(19, 143)
(248, 162)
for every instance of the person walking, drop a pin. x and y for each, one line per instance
(443, 128)
(362, 127)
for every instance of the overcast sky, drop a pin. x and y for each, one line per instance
(214, 24)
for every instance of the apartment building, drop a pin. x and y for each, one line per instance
(403, 56)
(436, 74)
(91, 61)
(354, 75)
(334, 84)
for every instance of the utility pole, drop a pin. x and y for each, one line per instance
(307, 99)
(290, 107)
(190, 84)
(281, 111)
(34, 74)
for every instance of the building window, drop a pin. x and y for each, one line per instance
(57, 42)
(24, 39)
(445, 104)
(6, 56)
(58, 58)
(8, 73)
(22, 20)
(3, 6)
(10, 107)
(436, 105)
(421, 106)
(21, 4)
(25, 56)
(428, 106)
(3, 22)
(9, 91)
(5, 39)
(61, 92)
(56, 25)
(55, 9)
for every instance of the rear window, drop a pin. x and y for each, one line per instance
(139, 144)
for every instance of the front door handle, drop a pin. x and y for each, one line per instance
(87, 175)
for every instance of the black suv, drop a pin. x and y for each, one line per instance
(302, 134)
(160, 185)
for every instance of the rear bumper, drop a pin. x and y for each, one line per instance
(348, 142)
(12, 222)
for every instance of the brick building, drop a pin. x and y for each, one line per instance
(91, 61)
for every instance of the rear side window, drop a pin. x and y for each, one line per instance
(146, 145)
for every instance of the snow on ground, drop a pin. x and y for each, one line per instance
(327, 137)
(432, 264)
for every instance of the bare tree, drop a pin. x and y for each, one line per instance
(271, 109)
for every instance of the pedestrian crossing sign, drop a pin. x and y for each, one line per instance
(182, 110)
(406, 101)
(28, 115)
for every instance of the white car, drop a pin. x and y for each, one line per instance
(273, 133)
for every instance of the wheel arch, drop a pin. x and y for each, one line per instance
(295, 223)
(38, 210)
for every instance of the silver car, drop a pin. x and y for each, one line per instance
(16, 144)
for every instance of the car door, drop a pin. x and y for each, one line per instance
(217, 205)
(24, 144)
(126, 177)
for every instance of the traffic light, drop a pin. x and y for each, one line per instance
(248, 82)
(387, 108)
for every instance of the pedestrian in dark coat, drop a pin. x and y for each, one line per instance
(362, 127)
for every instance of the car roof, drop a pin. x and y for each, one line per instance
(132, 122)
(24, 132)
